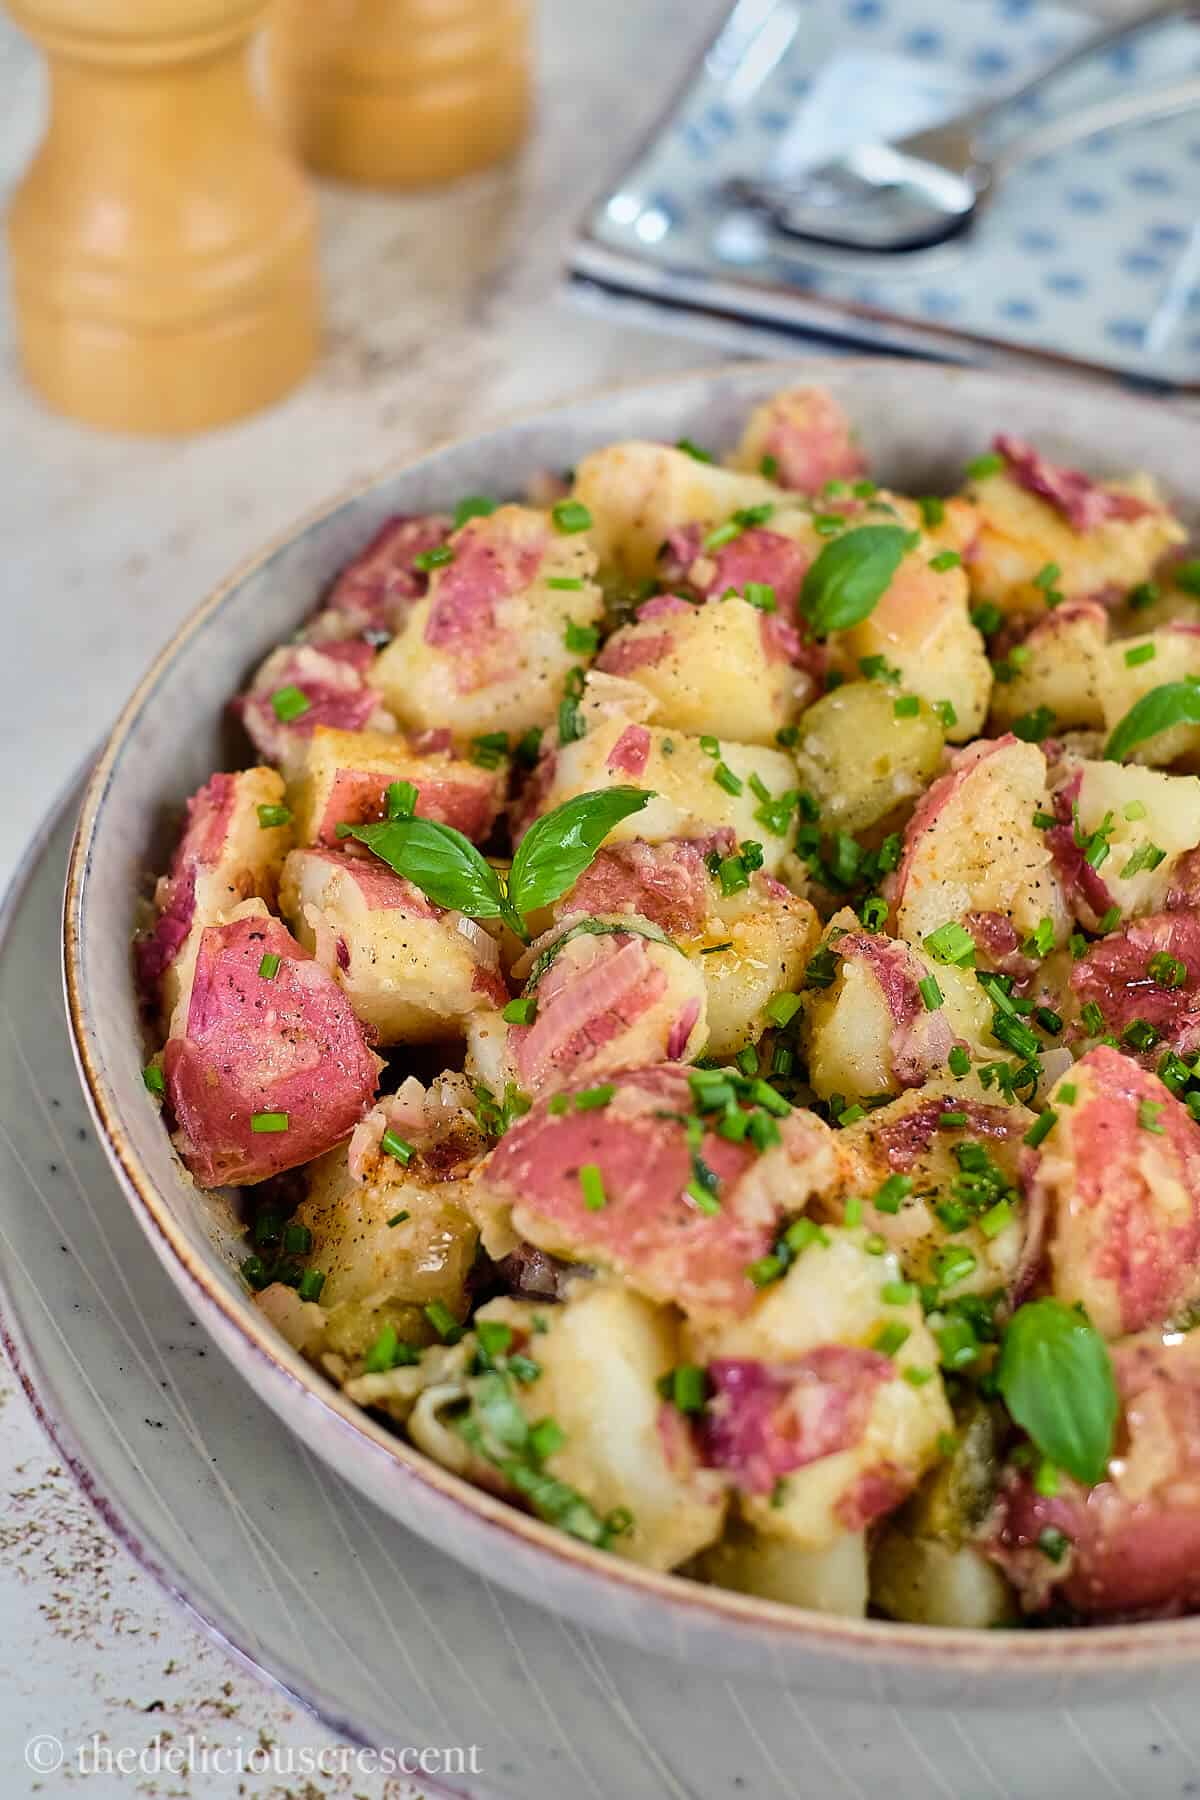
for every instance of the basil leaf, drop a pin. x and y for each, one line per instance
(1057, 1381)
(851, 575)
(559, 846)
(1175, 703)
(440, 861)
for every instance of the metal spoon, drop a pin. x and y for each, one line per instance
(928, 186)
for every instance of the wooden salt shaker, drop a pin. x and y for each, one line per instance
(401, 93)
(162, 243)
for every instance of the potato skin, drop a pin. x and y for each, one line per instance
(859, 761)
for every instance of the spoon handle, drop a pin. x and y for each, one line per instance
(1105, 39)
(1105, 115)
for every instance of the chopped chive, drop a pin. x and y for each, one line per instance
(760, 594)
(1146, 856)
(1050, 1021)
(959, 1060)
(711, 746)
(570, 516)
(1143, 595)
(897, 1293)
(398, 1219)
(715, 949)
(725, 778)
(933, 511)
(437, 558)
(801, 1234)
(953, 1264)
(693, 450)
(297, 1240)
(495, 1337)
(268, 1122)
(1068, 1093)
(828, 524)
(987, 618)
(594, 1099)
(1109, 921)
(946, 713)
(852, 1114)
(268, 968)
(545, 1437)
(290, 702)
(1136, 809)
(945, 559)
(1165, 970)
(764, 1270)
(769, 466)
(852, 1212)
(951, 943)
(591, 1183)
(689, 1388)
(269, 816)
(528, 746)
(874, 1245)
(1186, 575)
(520, 1012)
(1034, 727)
(443, 1321)
(951, 1121)
(1147, 1115)
(996, 1219)
(1040, 941)
(558, 1105)
(400, 799)
(701, 1198)
(1041, 1128)
(980, 467)
(931, 994)
(889, 1194)
(1140, 653)
(781, 1009)
(473, 506)
(891, 1337)
(722, 535)
(763, 1131)
(917, 1377)
(310, 1285)
(393, 1145)
(747, 1060)
(581, 640)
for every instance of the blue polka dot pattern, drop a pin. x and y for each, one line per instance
(1075, 252)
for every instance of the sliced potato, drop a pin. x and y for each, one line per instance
(833, 1580)
(860, 761)
(1059, 668)
(637, 493)
(1131, 667)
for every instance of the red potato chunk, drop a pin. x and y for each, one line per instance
(486, 648)
(649, 1229)
(638, 493)
(690, 799)
(777, 559)
(723, 667)
(870, 1031)
(1121, 976)
(346, 776)
(1059, 667)
(908, 1138)
(300, 687)
(802, 439)
(1169, 654)
(1118, 1183)
(225, 855)
(248, 1047)
(922, 626)
(1149, 822)
(375, 591)
(412, 971)
(1133, 1541)
(610, 998)
(667, 883)
(972, 847)
(1103, 538)
(816, 1426)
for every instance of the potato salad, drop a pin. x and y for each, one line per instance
(696, 999)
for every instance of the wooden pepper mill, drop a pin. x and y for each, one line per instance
(401, 93)
(162, 243)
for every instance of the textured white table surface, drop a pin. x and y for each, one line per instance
(442, 317)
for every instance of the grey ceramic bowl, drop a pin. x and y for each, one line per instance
(920, 423)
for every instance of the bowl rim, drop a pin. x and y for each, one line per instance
(856, 1642)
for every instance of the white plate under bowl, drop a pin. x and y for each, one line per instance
(390, 1641)
(919, 424)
